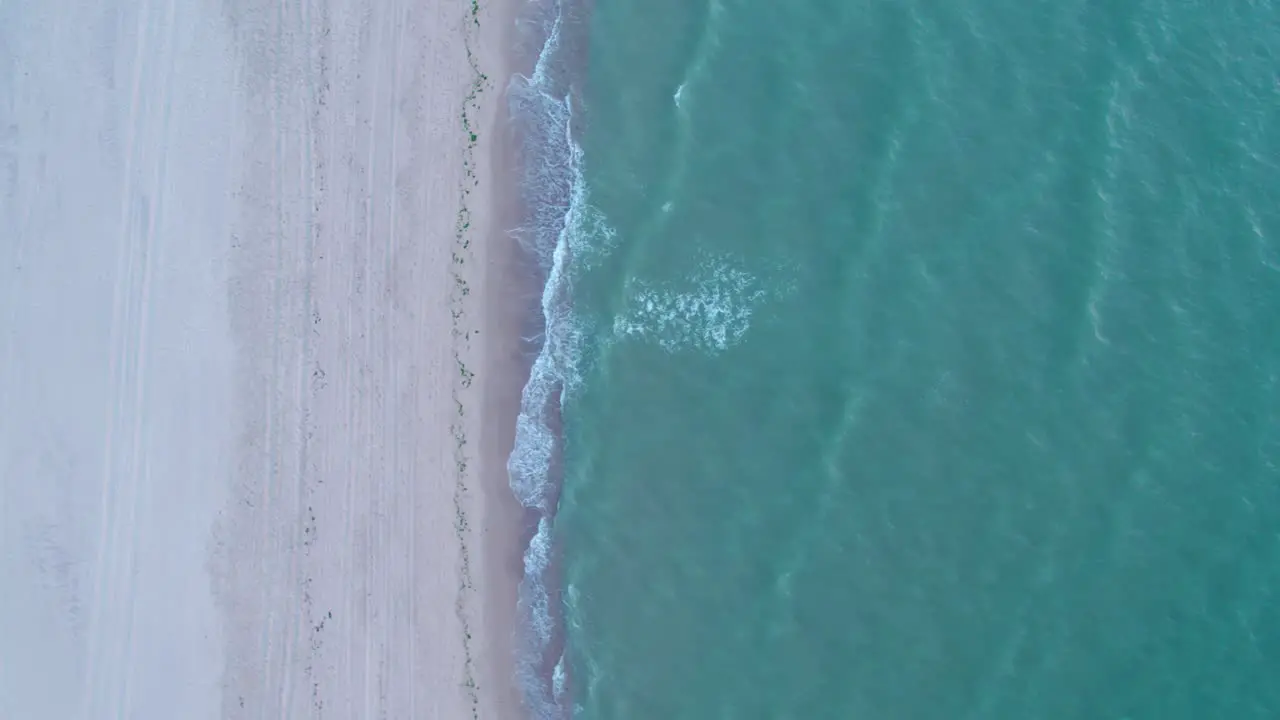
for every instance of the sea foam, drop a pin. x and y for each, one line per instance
(708, 311)
(561, 230)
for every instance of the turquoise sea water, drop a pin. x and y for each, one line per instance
(908, 360)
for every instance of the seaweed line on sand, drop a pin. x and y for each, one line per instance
(461, 342)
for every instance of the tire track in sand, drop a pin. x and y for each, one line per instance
(124, 500)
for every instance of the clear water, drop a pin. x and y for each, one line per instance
(911, 360)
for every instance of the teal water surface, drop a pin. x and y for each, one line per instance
(927, 361)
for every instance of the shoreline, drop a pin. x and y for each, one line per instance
(543, 105)
(528, 667)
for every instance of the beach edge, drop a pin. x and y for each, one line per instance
(488, 311)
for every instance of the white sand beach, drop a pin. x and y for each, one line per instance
(251, 453)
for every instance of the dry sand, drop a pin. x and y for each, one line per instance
(257, 371)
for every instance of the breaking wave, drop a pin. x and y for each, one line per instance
(560, 226)
(708, 311)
